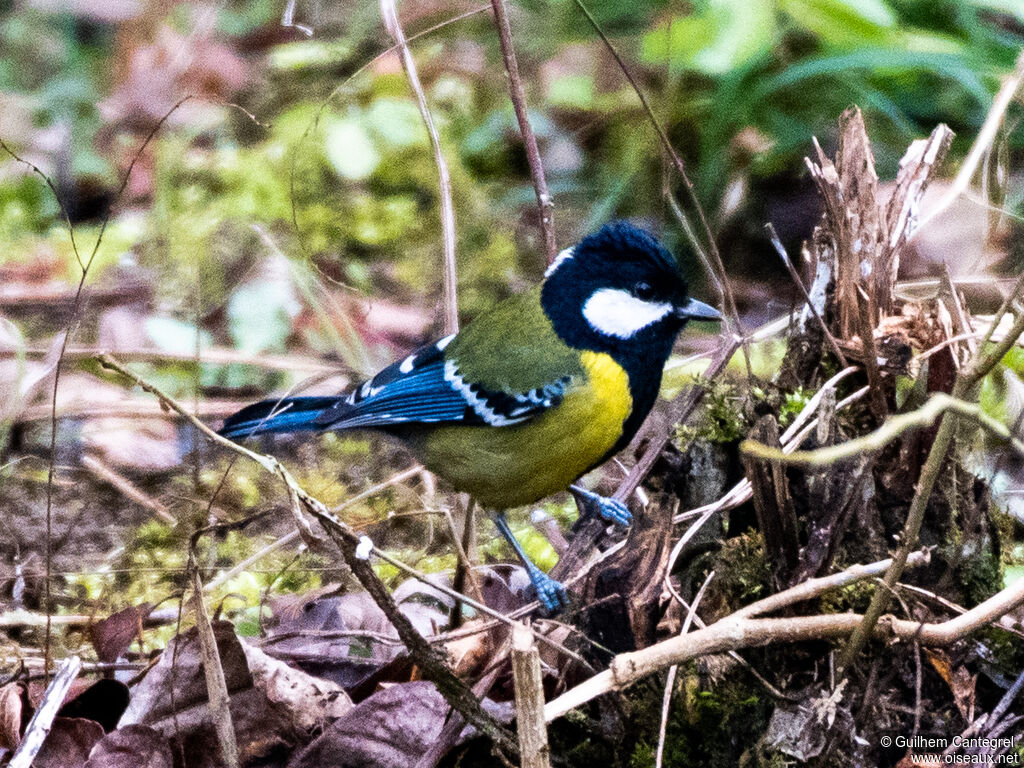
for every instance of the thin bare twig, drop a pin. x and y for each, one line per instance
(981, 145)
(545, 205)
(209, 355)
(84, 266)
(677, 162)
(451, 307)
(213, 670)
(773, 236)
(812, 588)
(670, 679)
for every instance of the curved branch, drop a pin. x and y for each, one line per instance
(731, 634)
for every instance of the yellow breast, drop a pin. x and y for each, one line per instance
(506, 467)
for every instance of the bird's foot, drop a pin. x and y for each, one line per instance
(614, 511)
(611, 510)
(550, 593)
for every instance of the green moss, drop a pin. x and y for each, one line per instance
(719, 418)
(977, 569)
(1005, 650)
(442, 563)
(792, 404)
(853, 597)
(743, 570)
(387, 573)
(979, 574)
(1006, 527)
(706, 726)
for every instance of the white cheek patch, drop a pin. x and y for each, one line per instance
(615, 312)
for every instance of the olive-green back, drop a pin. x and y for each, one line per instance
(513, 348)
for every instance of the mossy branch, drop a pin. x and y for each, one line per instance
(894, 427)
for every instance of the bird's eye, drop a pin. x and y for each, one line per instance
(643, 290)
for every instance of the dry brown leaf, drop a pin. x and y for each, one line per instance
(14, 713)
(960, 681)
(391, 729)
(113, 635)
(69, 742)
(310, 702)
(135, 746)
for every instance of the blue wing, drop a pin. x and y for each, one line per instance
(424, 388)
(413, 390)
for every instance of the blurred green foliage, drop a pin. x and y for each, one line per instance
(300, 183)
(741, 85)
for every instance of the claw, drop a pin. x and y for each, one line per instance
(550, 593)
(612, 510)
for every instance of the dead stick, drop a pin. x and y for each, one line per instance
(866, 321)
(430, 660)
(213, 670)
(39, 726)
(529, 688)
(211, 355)
(732, 634)
(934, 408)
(807, 590)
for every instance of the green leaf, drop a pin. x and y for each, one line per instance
(572, 91)
(1012, 574)
(397, 124)
(722, 36)
(350, 150)
(843, 24)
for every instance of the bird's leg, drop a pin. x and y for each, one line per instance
(612, 510)
(551, 593)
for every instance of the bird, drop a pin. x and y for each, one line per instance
(533, 393)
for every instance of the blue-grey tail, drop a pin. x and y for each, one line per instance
(289, 414)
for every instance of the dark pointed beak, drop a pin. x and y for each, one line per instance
(698, 310)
